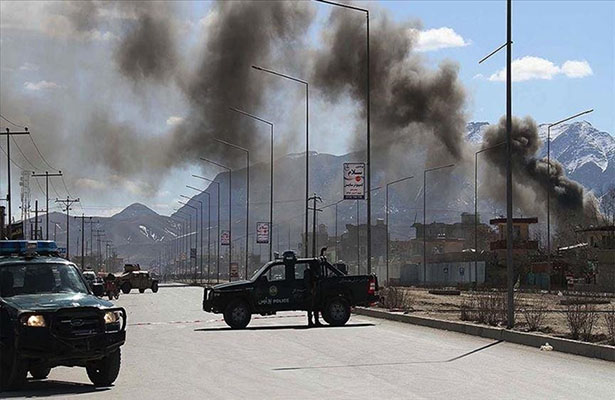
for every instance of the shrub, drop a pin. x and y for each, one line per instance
(484, 308)
(581, 319)
(609, 319)
(393, 297)
(534, 316)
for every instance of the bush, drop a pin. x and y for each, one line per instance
(581, 319)
(534, 316)
(609, 319)
(396, 298)
(484, 308)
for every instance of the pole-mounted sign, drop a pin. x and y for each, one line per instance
(354, 181)
(262, 232)
(225, 238)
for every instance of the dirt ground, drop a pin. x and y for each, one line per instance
(448, 307)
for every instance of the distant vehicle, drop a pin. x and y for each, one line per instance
(279, 286)
(134, 278)
(49, 317)
(90, 277)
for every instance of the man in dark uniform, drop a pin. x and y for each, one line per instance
(310, 277)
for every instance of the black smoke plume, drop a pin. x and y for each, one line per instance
(532, 175)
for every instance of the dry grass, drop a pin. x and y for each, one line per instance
(396, 298)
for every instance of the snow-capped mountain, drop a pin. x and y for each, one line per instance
(588, 154)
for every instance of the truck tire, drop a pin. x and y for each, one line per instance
(237, 314)
(337, 311)
(155, 287)
(13, 371)
(104, 372)
(126, 287)
(39, 371)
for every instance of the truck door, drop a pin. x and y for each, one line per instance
(300, 290)
(273, 289)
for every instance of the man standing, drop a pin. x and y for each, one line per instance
(310, 277)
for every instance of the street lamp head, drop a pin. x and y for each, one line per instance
(257, 67)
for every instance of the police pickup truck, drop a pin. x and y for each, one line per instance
(280, 286)
(49, 316)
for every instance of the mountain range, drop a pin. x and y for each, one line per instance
(139, 233)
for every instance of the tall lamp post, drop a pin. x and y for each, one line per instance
(247, 191)
(196, 229)
(218, 214)
(270, 178)
(230, 220)
(386, 216)
(178, 242)
(549, 177)
(425, 213)
(307, 143)
(369, 180)
(187, 234)
(476, 207)
(208, 232)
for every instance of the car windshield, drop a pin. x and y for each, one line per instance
(260, 271)
(37, 278)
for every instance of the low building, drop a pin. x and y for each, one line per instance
(600, 244)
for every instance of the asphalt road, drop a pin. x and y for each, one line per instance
(174, 350)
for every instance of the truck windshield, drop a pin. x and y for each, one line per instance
(37, 278)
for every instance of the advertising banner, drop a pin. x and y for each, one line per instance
(354, 181)
(262, 232)
(225, 238)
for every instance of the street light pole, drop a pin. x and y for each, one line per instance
(369, 180)
(476, 207)
(386, 216)
(424, 216)
(271, 175)
(197, 234)
(208, 232)
(230, 221)
(247, 192)
(218, 214)
(307, 143)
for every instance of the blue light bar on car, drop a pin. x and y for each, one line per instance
(22, 247)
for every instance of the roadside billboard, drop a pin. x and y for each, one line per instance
(225, 238)
(262, 232)
(354, 181)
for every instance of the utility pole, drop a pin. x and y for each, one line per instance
(8, 168)
(67, 203)
(83, 222)
(47, 175)
(98, 233)
(315, 199)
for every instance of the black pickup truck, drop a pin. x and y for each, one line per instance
(280, 286)
(49, 316)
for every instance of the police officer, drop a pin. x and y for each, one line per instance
(311, 276)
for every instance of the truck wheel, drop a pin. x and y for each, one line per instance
(155, 287)
(337, 312)
(103, 372)
(39, 371)
(13, 371)
(237, 314)
(126, 287)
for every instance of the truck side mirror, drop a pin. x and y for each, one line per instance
(97, 289)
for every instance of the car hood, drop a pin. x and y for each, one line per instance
(54, 301)
(233, 285)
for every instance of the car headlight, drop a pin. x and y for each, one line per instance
(35, 321)
(112, 317)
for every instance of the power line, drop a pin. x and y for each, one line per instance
(22, 154)
(10, 122)
(12, 161)
(40, 154)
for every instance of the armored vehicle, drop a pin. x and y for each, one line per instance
(280, 286)
(135, 278)
(50, 317)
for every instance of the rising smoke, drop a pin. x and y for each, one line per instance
(414, 109)
(532, 176)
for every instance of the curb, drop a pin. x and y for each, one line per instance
(535, 340)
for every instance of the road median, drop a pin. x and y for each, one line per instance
(603, 352)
